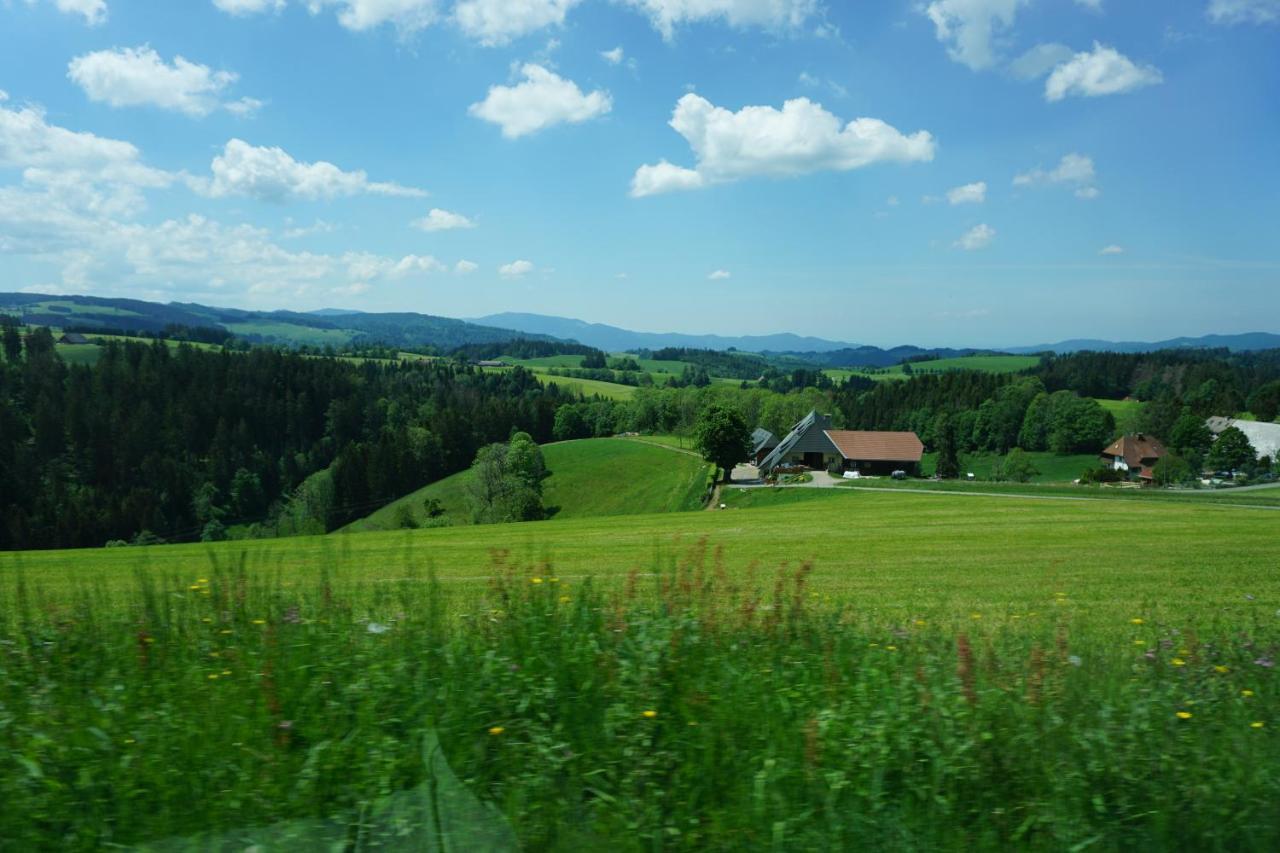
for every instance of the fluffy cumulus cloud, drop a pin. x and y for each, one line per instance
(407, 16)
(138, 76)
(496, 22)
(1244, 11)
(1074, 170)
(668, 15)
(94, 12)
(972, 29)
(248, 7)
(80, 169)
(464, 267)
(613, 57)
(515, 269)
(975, 193)
(720, 275)
(977, 237)
(270, 174)
(443, 220)
(1101, 71)
(542, 100)
(801, 137)
(1113, 249)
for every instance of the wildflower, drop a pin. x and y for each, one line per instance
(1184, 715)
(194, 586)
(1135, 621)
(1139, 643)
(649, 715)
(259, 621)
(226, 672)
(1246, 693)
(225, 631)
(564, 599)
(890, 648)
(496, 730)
(553, 580)
(1265, 662)
(377, 628)
(1257, 724)
(975, 615)
(285, 724)
(1074, 660)
(1221, 669)
(535, 580)
(213, 676)
(129, 740)
(920, 623)
(1178, 662)
(202, 580)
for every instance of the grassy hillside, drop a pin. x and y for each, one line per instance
(984, 363)
(893, 554)
(1126, 413)
(592, 477)
(1052, 467)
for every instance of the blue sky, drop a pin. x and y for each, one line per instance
(954, 172)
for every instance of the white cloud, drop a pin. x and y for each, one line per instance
(613, 57)
(1074, 170)
(244, 107)
(977, 237)
(542, 100)
(1244, 11)
(800, 138)
(138, 76)
(720, 275)
(442, 220)
(407, 16)
(1111, 250)
(80, 170)
(496, 22)
(249, 7)
(515, 269)
(975, 193)
(667, 15)
(892, 201)
(1103, 71)
(1040, 60)
(970, 28)
(464, 267)
(351, 289)
(94, 12)
(270, 174)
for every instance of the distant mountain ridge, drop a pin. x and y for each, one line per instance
(289, 328)
(1236, 343)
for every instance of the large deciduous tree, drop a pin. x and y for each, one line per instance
(1231, 451)
(723, 437)
(508, 482)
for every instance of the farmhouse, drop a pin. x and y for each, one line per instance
(490, 363)
(73, 338)
(812, 443)
(762, 442)
(1134, 455)
(1264, 437)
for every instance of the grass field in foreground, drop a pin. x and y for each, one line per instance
(591, 477)
(949, 674)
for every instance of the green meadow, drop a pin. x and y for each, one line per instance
(845, 669)
(589, 477)
(983, 363)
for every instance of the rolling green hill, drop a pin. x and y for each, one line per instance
(591, 477)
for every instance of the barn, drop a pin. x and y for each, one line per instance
(813, 443)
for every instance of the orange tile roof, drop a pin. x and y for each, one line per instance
(865, 446)
(1135, 449)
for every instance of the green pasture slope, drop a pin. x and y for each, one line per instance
(851, 670)
(1126, 413)
(590, 477)
(984, 363)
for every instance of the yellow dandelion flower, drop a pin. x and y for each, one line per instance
(202, 580)
(204, 592)
(213, 676)
(149, 640)
(975, 615)
(1184, 715)
(553, 580)
(1139, 643)
(206, 619)
(496, 730)
(649, 715)
(920, 623)
(226, 672)
(535, 580)
(1135, 621)
(194, 586)
(890, 648)
(225, 631)
(259, 621)
(1257, 724)
(693, 722)
(129, 740)
(564, 599)
(1221, 669)
(215, 654)
(1178, 662)
(1246, 693)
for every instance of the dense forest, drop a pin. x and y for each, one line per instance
(181, 443)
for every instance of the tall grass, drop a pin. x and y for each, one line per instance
(698, 707)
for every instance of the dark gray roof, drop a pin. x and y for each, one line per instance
(762, 439)
(808, 436)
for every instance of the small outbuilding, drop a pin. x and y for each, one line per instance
(762, 442)
(491, 363)
(1135, 455)
(73, 338)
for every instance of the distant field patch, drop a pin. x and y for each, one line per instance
(291, 334)
(983, 363)
(1126, 413)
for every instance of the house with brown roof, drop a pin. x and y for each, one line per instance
(812, 443)
(1135, 455)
